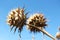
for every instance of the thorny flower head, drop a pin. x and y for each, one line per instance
(17, 19)
(36, 20)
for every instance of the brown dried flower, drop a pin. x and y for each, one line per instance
(36, 20)
(17, 19)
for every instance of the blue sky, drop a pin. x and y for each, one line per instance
(50, 8)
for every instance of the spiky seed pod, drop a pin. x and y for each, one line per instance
(36, 20)
(16, 18)
(58, 35)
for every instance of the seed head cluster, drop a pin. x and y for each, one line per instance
(16, 18)
(37, 20)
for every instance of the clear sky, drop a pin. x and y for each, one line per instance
(50, 8)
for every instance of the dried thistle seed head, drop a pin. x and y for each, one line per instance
(16, 18)
(58, 35)
(36, 20)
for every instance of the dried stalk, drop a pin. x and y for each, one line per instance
(44, 31)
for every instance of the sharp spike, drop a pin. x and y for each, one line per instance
(26, 13)
(15, 29)
(11, 28)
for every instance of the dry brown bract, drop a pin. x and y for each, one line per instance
(58, 35)
(36, 20)
(16, 18)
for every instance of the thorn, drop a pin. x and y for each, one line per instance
(23, 6)
(26, 13)
(15, 30)
(11, 29)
